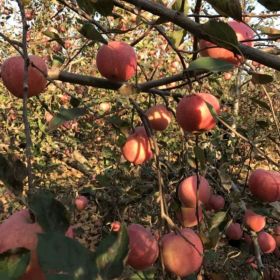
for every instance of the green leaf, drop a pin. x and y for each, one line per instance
(260, 103)
(272, 5)
(54, 36)
(66, 115)
(221, 34)
(230, 8)
(110, 255)
(12, 172)
(210, 64)
(63, 258)
(217, 219)
(177, 37)
(90, 32)
(14, 263)
(104, 7)
(49, 212)
(147, 275)
(178, 6)
(259, 78)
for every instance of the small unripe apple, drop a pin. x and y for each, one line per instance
(159, 117)
(254, 221)
(193, 114)
(12, 72)
(143, 247)
(182, 256)
(187, 191)
(234, 231)
(116, 61)
(81, 202)
(267, 242)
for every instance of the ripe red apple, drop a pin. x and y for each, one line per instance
(116, 61)
(115, 226)
(81, 202)
(159, 117)
(137, 148)
(243, 32)
(265, 185)
(188, 218)
(182, 256)
(29, 14)
(254, 221)
(266, 242)
(234, 231)
(216, 202)
(143, 247)
(193, 114)
(188, 188)
(12, 72)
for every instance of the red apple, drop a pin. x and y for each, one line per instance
(81, 202)
(188, 218)
(182, 255)
(143, 247)
(254, 221)
(243, 32)
(267, 242)
(159, 117)
(234, 231)
(265, 185)
(116, 61)
(193, 114)
(12, 72)
(188, 188)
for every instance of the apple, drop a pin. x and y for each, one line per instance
(143, 247)
(227, 76)
(137, 148)
(182, 253)
(254, 221)
(243, 32)
(105, 106)
(266, 242)
(187, 191)
(234, 231)
(12, 72)
(276, 235)
(265, 185)
(116, 61)
(216, 203)
(188, 218)
(81, 202)
(193, 114)
(29, 14)
(159, 117)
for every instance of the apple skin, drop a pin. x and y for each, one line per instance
(276, 235)
(254, 221)
(193, 114)
(116, 61)
(187, 191)
(187, 216)
(179, 256)
(159, 117)
(81, 202)
(243, 32)
(265, 185)
(227, 76)
(143, 247)
(137, 148)
(267, 242)
(234, 231)
(216, 203)
(12, 72)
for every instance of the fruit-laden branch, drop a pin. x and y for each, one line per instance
(148, 87)
(194, 28)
